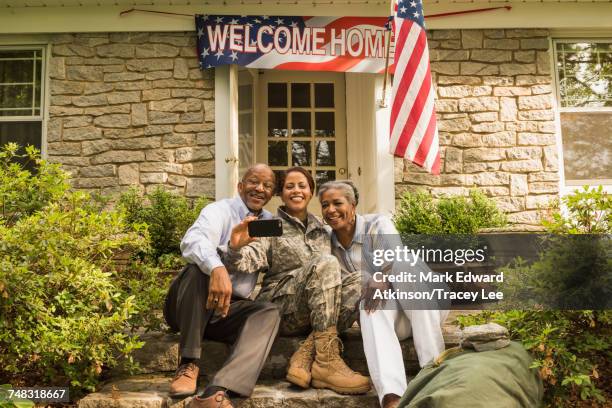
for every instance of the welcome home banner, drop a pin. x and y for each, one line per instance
(343, 44)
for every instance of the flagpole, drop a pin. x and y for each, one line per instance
(383, 100)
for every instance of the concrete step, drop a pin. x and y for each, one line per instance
(151, 391)
(161, 352)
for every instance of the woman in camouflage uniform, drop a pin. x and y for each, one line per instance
(306, 282)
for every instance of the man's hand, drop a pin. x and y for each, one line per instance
(240, 234)
(370, 304)
(219, 291)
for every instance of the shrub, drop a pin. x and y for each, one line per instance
(64, 307)
(168, 216)
(420, 213)
(571, 348)
(21, 192)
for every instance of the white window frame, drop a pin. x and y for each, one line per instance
(43, 115)
(568, 186)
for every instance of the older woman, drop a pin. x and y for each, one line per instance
(354, 239)
(305, 281)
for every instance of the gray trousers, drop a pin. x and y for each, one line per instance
(250, 327)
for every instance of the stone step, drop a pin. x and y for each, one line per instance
(161, 352)
(151, 391)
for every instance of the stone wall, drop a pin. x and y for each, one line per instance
(132, 109)
(495, 119)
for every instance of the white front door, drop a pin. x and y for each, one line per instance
(301, 121)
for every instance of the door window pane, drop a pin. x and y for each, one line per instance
(277, 124)
(245, 97)
(300, 153)
(300, 95)
(326, 153)
(245, 141)
(300, 123)
(324, 95)
(277, 95)
(322, 176)
(277, 153)
(325, 124)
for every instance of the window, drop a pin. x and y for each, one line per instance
(21, 95)
(584, 79)
(302, 127)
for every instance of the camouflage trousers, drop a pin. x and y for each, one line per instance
(315, 297)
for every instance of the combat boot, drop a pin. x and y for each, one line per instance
(300, 363)
(330, 371)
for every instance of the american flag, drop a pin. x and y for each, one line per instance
(414, 133)
(289, 60)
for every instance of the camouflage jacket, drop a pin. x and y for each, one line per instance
(280, 257)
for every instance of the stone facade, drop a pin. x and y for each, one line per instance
(495, 119)
(132, 109)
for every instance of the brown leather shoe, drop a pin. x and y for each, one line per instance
(185, 381)
(217, 400)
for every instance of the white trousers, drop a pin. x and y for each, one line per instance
(382, 332)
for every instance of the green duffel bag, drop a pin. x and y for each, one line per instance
(470, 379)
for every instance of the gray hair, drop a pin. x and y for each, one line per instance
(347, 188)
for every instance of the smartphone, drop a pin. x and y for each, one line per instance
(266, 228)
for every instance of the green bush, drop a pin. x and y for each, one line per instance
(168, 216)
(23, 193)
(65, 309)
(420, 213)
(572, 349)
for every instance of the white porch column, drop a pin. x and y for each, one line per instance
(226, 131)
(384, 159)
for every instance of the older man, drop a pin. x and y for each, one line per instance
(206, 302)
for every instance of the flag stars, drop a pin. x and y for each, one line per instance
(219, 20)
(234, 56)
(403, 9)
(219, 54)
(279, 21)
(205, 53)
(200, 32)
(293, 24)
(413, 4)
(416, 14)
(233, 21)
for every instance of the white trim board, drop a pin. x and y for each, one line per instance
(107, 19)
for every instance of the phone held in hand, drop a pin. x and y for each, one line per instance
(266, 228)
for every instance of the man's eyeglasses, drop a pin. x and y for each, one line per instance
(269, 186)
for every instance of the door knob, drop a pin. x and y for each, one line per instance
(341, 171)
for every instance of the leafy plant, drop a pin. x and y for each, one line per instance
(587, 211)
(571, 348)
(23, 192)
(168, 216)
(420, 213)
(64, 306)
